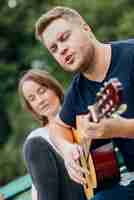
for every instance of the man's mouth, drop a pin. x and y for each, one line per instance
(69, 59)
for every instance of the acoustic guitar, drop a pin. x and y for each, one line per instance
(101, 162)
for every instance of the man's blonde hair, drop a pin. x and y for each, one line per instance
(68, 14)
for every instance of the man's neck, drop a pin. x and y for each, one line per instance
(101, 63)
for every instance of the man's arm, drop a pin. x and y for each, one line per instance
(121, 127)
(61, 136)
(118, 127)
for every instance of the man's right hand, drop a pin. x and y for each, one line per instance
(72, 154)
(61, 136)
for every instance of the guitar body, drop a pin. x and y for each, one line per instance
(106, 166)
(103, 167)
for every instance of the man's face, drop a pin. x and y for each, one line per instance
(69, 44)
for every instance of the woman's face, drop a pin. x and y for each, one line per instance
(43, 100)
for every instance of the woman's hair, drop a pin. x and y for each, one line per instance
(43, 78)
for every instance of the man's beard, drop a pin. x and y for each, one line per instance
(87, 64)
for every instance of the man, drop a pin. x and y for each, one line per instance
(72, 43)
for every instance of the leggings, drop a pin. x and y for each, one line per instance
(48, 172)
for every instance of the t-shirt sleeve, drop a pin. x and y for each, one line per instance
(67, 113)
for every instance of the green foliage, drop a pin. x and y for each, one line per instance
(19, 51)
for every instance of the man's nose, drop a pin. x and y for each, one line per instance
(63, 51)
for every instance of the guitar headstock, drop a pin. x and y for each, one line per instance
(109, 98)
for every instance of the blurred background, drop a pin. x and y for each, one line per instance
(110, 20)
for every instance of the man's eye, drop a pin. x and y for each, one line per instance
(64, 36)
(53, 48)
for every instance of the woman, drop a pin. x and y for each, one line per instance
(42, 95)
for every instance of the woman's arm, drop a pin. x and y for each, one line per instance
(34, 193)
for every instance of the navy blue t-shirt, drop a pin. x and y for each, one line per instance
(82, 92)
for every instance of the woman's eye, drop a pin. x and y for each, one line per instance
(31, 98)
(42, 90)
